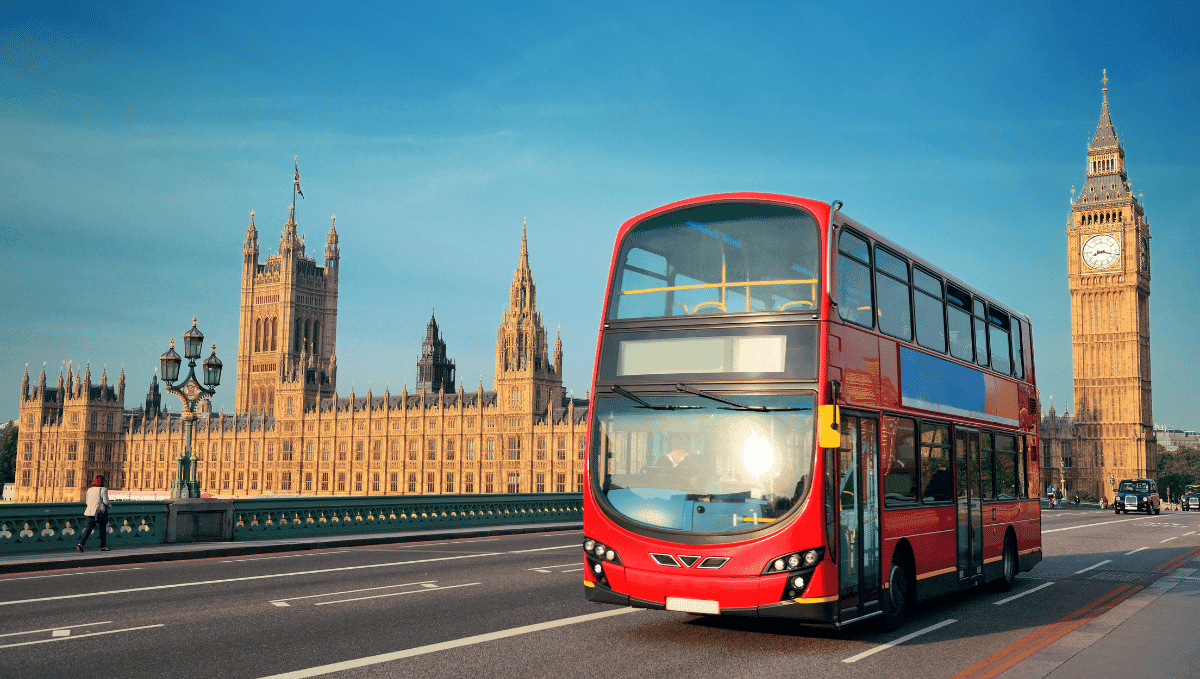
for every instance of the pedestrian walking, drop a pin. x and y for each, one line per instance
(96, 513)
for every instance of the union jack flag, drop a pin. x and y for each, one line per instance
(298, 180)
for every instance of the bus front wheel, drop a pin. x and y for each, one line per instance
(895, 599)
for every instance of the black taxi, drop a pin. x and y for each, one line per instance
(1190, 500)
(1137, 495)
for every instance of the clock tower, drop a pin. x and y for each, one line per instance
(1108, 263)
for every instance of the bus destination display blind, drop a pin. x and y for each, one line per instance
(758, 354)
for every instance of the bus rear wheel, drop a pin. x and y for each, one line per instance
(895, 598)
(1009, 577)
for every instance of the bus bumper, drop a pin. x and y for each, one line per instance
(808, 611)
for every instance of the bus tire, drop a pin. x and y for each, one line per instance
(1009, 566)
(896, 597)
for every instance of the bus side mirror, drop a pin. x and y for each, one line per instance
(828, 435)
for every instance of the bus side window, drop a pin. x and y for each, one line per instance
(981, 344)
(854, 280)
(987, 466)
(899, 462)
(892, 293)
(937, 482)
(958, 321)
(1018, 354)
(999, 341)
(930, 311)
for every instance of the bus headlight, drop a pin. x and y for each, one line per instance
(798, 582)
(794, 561)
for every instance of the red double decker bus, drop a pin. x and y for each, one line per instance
(793, 417)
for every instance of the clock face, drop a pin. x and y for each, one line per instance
(1101, 251)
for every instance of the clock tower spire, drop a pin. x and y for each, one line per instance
(1108, 256)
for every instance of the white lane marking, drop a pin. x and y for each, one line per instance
(447, 645)
(1092, 525)
(380, 596)
(1018, 596)
(1168, 539)
(542, 549)
(1094, 566)
(61, 633)
(901, 640)
(1188, 533)
(429, 585)
(63, 575)
(561, 565)
(286, 556)
(80, 636)
(244, 579)
(278, 602)
(1136, 551)
(55, 629)
(573, 570)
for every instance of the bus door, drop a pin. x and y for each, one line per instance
(858, 516)
(970, 505)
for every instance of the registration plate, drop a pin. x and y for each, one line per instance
(1131, 500)
(706, 606)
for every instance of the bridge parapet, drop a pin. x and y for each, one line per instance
(56, 526)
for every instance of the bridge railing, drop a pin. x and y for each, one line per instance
(54, 526)
(48, 526)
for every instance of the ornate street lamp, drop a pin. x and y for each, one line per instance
(191, 392)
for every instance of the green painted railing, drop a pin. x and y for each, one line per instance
(256, 519)
(46, 526)
(29, 527)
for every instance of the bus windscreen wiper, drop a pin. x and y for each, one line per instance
(736, 406)
(633, 397)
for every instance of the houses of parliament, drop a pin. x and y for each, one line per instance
(292, 434)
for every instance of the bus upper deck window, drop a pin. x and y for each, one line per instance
(854, 280)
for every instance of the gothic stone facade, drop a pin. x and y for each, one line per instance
(293, 435)
(1108, 256)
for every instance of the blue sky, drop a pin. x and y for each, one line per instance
(136, 142)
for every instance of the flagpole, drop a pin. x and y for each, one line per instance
(296, 166)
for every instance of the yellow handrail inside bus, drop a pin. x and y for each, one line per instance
(724, 286)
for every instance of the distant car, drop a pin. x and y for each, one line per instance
(1137, 495)
(1190, 500)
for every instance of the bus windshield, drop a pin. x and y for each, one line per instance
(724, 258)
(690, 463)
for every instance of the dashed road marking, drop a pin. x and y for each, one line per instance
(1018, 596)
(895, 642)
(447, 645)
(57, 637)
(1094, 566)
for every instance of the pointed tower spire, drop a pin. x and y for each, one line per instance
(1106, 134)
(25, 383)
(331, 243)
(524, 246)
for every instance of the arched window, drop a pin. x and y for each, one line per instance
(257, 333)
(308, 336)
(299, 334)
(316, 339)
(274, 333)
(515, 397)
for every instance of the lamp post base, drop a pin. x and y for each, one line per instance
(182, 489)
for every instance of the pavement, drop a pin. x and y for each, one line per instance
(92, 556)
